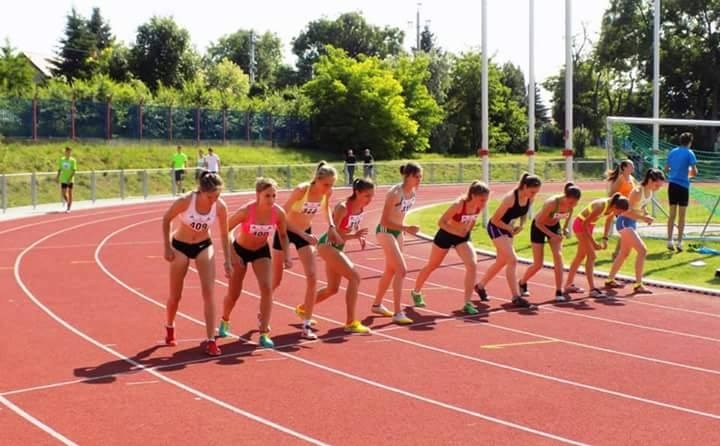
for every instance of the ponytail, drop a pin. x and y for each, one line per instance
(324, 170)
(612, 175)
(653, 174)
(572, 191)
(360, 185)
(209, 182)
(527, 180)
(476, 188)
(617, 201)
(410, 168)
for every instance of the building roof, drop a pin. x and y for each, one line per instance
(40, 63)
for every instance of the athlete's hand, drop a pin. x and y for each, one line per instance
(414, 229)
(648, 219)
(363, 242)
(334, 237)
(169, 254)
(362, 233)
(517, 229)
(311, 239)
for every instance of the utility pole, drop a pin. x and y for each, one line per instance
(417, 27)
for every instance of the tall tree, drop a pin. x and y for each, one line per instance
(162, 54)
(16, 73)
(236, 47)
(100, 29)
(358, 103)
(76, 47)
(349, 32)
(514, 79)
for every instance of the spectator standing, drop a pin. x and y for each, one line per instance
(681, 165)
(178, 164)
(67, 166)
(350, 163)
(368, 164)
(212, 161)
(199, 164)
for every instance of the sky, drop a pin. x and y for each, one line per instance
(37, 29)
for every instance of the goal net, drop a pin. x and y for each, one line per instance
(631, 138)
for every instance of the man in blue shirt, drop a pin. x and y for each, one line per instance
(681, 165)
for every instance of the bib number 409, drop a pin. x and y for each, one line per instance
(199, 226)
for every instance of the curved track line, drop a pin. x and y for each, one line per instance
(101, 346)
(330, 369)
(39, 424)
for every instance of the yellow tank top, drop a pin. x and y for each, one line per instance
(304, 206)
(582, 215)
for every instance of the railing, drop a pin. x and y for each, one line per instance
(32, 189)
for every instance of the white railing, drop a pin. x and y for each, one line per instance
(32, 189)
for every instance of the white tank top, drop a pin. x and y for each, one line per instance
(194, 219)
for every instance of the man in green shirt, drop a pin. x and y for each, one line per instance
(179, 160)
(65, 175)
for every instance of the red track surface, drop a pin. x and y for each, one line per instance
(82, 311)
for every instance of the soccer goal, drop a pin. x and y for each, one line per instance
(631, 138)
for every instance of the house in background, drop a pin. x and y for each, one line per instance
(41, 67)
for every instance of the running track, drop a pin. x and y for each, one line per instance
(83, 361)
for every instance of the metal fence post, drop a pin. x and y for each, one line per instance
(547, 171)
(517, 171)
(432, 173)
(3, 184)
(33, 190)
(122, 184)
(93, 188)
(145, 183)
(260, 172)
(172, 181)
(460, 172)
(289, 177)
(231, 178)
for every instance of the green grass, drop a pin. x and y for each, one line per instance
(660, 263)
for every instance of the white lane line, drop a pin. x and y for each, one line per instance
(37, 423)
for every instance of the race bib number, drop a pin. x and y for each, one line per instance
(198, 226)
(405, 205)
(354, 222)
(261, 230)
(310, 208)
(468, 219)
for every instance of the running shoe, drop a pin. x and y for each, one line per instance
(356, 327)
(417, 299)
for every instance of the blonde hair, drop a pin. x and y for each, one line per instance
(262, 183)
(324, 170)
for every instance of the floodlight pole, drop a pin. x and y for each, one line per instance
(531, 90)
(484, 149)
(568, 152)
(656, 83)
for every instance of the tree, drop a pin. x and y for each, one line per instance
(349, 32)
(228, 83)
(427, 40)
(507, 121)
(358, 103)
(236, 48)
(514, 79)
(101, 30)
(16, 73)
(76, 47)
(162, 54)
(413, 74)
(542, 112)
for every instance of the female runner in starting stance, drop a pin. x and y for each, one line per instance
(501, 228)
(389, 234)
(583, 227)
(257, 220)
(191, 241)
(547, 226)
(456, 224)
(305, 202)
(626, 225)
(337, 264)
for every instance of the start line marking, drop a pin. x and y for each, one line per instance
(514, 344)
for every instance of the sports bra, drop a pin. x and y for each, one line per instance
(589, 210)
(626, 186)
(516, 211)
(249, 226)
(405, 203)
(351, 222)
(465, 218)
(644, 200)
(306, 207)
(197, 221)
(556, 215)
